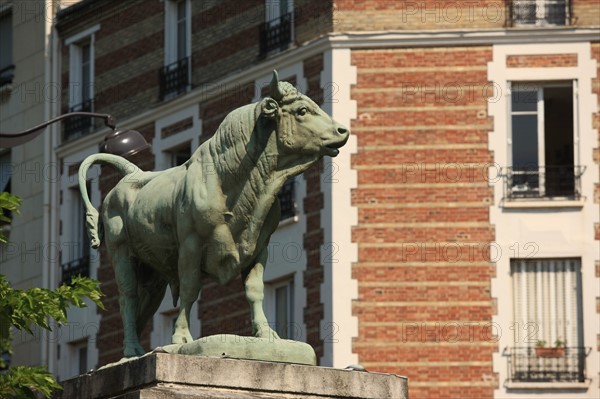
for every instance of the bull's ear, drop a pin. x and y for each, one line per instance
(270, 108)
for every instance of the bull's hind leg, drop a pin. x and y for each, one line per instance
(128, 299)
(189, 287)
(255, 294)
(151, 291)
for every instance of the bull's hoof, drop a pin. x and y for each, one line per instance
(267, 333)
(182, 338)
(133, 350)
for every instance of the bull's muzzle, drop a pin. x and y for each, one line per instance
(341, 135)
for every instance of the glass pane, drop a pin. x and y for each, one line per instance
(83, 360)
(525, 141)
(6, 41)
(181, 30)
(85, 73)
(524, 98)
(281, 311)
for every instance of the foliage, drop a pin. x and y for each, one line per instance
(8, 203)
(25, 309)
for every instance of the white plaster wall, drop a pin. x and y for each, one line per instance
(545, 232)
(338, 216)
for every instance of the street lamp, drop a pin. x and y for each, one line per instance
(123, 142)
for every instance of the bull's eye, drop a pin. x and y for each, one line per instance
(302, 111)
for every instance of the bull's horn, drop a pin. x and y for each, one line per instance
(274, 87)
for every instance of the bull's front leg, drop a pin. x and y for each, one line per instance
(255, 294)
(189, 287)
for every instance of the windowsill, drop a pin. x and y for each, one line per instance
(520, 204)
(288, 221)
(548, 385)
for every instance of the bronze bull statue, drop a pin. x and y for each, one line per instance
(214, 214)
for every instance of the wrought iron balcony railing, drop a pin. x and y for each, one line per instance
(543, 182)
(525, 364)
(276, 34)
(286, 200)
(6, 75)
(81, 125)
(174, 78)
(75, 268)
(540, 12)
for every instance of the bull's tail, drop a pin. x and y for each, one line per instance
(92, 217)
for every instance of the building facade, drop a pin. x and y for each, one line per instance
(456, 232)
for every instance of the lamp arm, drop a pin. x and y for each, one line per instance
(21, 137)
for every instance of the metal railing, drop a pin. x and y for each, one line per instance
(276, 34)
(539, 12)
(6, 75)
(174, 78)
(543, 182)
(81, 125)
(286, 200)
(526, 364)
(75, 268)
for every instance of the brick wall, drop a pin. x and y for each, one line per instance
(314, 236)
(542, 61)
(226, 34)
(128, 53)
(374, 15)
(423, 232)
(586, 12)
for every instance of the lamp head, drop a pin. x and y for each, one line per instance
(124, 142)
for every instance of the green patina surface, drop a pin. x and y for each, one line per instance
(213, 215)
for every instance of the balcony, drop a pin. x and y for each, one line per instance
(174, 79)
(78, 126)
(543, 182)
(286, 200)
(525, 366)
(75, 268)
(276, 34)
(539, 12)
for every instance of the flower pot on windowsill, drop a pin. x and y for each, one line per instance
(552, 353)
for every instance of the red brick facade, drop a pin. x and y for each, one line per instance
(541, 61)
(423, 232)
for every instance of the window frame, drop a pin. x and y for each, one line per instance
(539, 112)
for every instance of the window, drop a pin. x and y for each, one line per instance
(81, 83)
(287, 199)
(6, 56)
(540, 12)
(179, 155)
(276, 32)
(547, 313)
(82, 355)
(284, 309)
(78, 358)
(76, 244)
(175, 76)
(542, 142)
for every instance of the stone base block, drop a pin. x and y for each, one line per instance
(171, 376)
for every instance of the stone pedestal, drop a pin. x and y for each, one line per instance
(170, 376)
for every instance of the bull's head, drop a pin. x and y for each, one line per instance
(302, 126)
